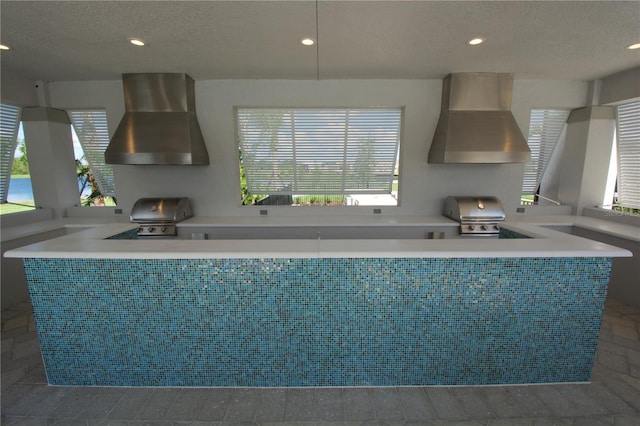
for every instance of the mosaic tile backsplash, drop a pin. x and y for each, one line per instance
(317, 322)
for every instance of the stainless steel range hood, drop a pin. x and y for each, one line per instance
(159, 125)
(476, 124)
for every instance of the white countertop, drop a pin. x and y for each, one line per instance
(90, 243)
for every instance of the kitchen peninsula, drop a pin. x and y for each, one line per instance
(318, 312)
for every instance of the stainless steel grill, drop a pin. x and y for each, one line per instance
(477, 215)
(158, 216)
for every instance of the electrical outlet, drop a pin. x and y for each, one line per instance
(264, 212)
(520, 210)
(117, 211)
(377, 211)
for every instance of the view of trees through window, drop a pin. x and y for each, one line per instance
(20, 192)
(319, 156)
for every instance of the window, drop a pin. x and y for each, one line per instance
(15, 179)
(9, 121)
(628, 135)
(93, 135)
(545, 128)
(339, 155)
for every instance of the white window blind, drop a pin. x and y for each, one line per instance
(545, 128)
(9, 122)
(628, 135)
(319, 151)
(91, 128)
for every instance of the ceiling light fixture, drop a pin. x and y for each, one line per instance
(137, 42)
(4, 47)
(476, 41)
(633, 46)
(307, 41)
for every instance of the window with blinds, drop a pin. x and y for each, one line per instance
(93, 134)
(545, 128)
(9, 122)
(628, 141)
(319, 151)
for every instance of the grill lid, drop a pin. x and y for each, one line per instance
(477, 215)
(161, 210)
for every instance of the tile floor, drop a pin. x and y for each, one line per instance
(613, 397)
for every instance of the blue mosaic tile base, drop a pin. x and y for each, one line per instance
(317, 322)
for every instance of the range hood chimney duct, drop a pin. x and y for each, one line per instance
(160, 124)
(476, 124)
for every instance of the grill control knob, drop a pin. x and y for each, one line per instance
(151, 229)
(164, 229)
(483, 227)
(472, 227)
(496, 227)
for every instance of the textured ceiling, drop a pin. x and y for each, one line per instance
(87, 40)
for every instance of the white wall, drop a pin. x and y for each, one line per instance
(214, 189)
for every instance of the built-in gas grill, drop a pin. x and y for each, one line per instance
(477, 215)
(157, 217)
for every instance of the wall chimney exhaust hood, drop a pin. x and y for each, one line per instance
(159, 125)
(476, 124)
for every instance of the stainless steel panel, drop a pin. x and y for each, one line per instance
(158, 92)
(475, 124)
(478, 91)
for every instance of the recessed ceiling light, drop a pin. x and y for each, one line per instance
(476, 41)
(307, 41)
(634, 46)
(4, 47)
(136, 42)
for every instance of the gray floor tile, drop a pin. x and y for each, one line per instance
(444, 404)
(156, 407)
(314, 405)
(556, 403)
(386, 404)
(301, 405)
(243, 405)
(626, 420)
(593, 421)
(105, 400)
(273, 403)
(553, 421)
(415, 404)
(215, 404)
(585, 404)
(500, 402)
(527, 401)
(130, 403)
(608, 399)
(49, 401)
(357, 404)
(186, 406)
(74, 401)
(329, 404)
(473, 403)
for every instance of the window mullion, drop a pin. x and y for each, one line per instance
(345, 150)
(294, 184)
